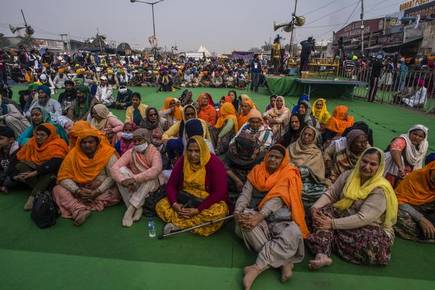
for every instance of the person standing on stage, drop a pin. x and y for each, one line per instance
(276, 55)
(255, 73)
(307, 47)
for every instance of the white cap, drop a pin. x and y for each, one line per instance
(43, 77)
(103, 78)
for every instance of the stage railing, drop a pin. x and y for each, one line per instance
(414, 88)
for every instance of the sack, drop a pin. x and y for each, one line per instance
(188, 200)
(44, 211)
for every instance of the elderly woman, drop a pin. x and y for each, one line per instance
(278, 118)
(305, 114)
(355, 217)
(247, 149)
(338, 161)
(416, 195)
(39, 116)
(245, 107)
(338, 122)
(196, 191)
(406, 153)
(320, 112)
(136, 112)
(39, 160)
(156, 125)
(84, 180)
(296, 125)
(226, 127)
(270, 216)
(171, 111)
(305, 154)
(136, 174)
(206, 112)
(103, 120)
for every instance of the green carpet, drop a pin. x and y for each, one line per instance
(103, 255)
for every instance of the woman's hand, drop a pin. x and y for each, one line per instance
(177, 207)
(322, 221)
(188, 212)
(402, 172)
(428, 228)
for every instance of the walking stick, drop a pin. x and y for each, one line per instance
(162, 236)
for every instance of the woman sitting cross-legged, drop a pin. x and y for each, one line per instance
(270, 216)
(355, 217)
(196, 191)
(416, 195)
(136, 174)
(39, 160)
(84, 181)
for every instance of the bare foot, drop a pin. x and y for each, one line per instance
(251, 273)
(29, 203)
(320, 261)
(81, 217)
(138, 214)
(127, 220)
(286, 272)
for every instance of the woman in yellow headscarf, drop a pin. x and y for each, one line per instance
(320, 112)
(171, 111)
(356, 215)
(227, 126)
(196, 191)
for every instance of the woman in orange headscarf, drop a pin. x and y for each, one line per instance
(245, 107)
(270, 215)
(39, 160)
(171, 111)
(207, 112)
(416, 195)
(340, 120)
(227, 126)
(84, 180)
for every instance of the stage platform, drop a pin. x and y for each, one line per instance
(295, 87)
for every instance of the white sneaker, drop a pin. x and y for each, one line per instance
(169, 228)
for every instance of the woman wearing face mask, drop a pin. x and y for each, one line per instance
(126, 141)
(406, 153)
(136, 174)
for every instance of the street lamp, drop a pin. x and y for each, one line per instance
(152, 10)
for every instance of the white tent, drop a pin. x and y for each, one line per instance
(204, 50)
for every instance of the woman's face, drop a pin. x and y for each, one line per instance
(193, 153)
(232, 95)
(95, 115)
(308, 136)
(279, 103)
(203, 102)
(369, 165)
(295, 124)
(359, 144)
(40, 137)
(36, 116)
(189, 113)
(128, 128)
(274, 160)
(153, 115)
(416, 137)
(319, 105)
(135, 101)
(255, 123)
(245, 108)
(5, 141)
(272, 101)
(302, 109)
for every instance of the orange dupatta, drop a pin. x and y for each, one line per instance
(416, 188)
(53, 147)
(227, 112)
(340, 120)
(244, 118)
(285, 183)
(177, 113)
(78, 167)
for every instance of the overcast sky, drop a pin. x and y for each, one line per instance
(220, 25)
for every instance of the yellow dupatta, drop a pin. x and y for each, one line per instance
(321, 115)
(194, 175)
(353, 190)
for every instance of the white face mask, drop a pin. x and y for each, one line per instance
(123, 90)
(141, 147)
(127, 135)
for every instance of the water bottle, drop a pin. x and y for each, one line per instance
(151, 227)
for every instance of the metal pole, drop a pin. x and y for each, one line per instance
(293, 27)
(154, 26)
(362, 27)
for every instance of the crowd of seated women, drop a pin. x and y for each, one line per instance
(293, 177)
